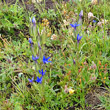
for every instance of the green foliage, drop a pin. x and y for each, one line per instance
(11, 19)
(105, 102)
(76, 67)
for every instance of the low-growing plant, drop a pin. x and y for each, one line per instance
(11, 19)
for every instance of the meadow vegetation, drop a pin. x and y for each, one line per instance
(55, 55)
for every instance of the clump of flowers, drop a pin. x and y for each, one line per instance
(90, 15)
(93, 66)
(45, 22)
(53, 37)
(102, 22)
(65, 22)
(39, 79)
(93, 77)
(36, 58)
(99, 24)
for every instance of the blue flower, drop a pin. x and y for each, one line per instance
(81, 14)
(39, 80)
(45, 60)
(31, 80)
(33, 21)
(30, 41)
(94, 21)
(74, 25)
(35, 58)
(78, 38)
(41, 72)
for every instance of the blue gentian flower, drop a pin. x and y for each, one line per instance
(45, 60)
(74, 25)
(94, 21)
(33, 21)
(81, 14)
(31, 80)
(41, 72)
(39, 80)
(35, 58)
(30, 41)
(78, 38)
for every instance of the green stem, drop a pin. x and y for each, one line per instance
(104, 17)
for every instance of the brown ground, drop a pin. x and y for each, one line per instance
(92, 98)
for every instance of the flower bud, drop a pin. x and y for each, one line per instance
(81, 14)
(33, 21)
